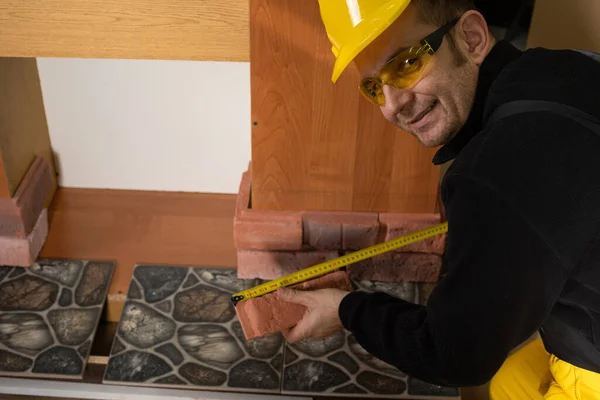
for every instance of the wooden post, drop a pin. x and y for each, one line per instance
(23, 126)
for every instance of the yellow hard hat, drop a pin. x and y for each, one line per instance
(352, 25)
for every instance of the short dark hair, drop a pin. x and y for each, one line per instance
(440, 12)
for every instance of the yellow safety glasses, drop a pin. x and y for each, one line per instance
(404, 69)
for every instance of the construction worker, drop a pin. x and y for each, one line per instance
(522, 200)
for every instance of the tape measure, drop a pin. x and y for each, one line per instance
(336, 263)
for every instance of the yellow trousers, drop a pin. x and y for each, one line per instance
(533, 373)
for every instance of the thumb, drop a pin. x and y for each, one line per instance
(294, 296)
(298, 332)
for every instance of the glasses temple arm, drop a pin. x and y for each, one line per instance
(435, 39)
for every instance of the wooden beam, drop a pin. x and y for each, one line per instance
(23, 126)
(320, 146)
(131, 227)
(214, 30)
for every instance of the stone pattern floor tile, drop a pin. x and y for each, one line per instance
(338, 366)
(179, 328)
(49, 313)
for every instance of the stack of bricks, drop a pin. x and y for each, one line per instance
(24, 218)
(272, 244)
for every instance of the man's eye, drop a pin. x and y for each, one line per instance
(410, 65)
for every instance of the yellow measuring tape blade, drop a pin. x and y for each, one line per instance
(336, 263)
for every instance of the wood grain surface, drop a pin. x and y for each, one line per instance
(23, 126)
(214, 30)
(320, 146)
(5, 187)
(131, 227)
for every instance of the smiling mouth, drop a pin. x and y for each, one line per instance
(423, 113)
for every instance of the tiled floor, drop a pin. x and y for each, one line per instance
(339, 366)
(48, 316)
(179, 328)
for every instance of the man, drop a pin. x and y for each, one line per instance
(522, 199)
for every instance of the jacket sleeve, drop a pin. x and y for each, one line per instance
(502, 281)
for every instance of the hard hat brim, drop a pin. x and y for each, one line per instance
(364, 33)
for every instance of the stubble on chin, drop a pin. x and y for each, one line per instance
(425, 137)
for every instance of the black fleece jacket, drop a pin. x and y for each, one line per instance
(522, 199)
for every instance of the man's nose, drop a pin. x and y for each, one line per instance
(396, 100)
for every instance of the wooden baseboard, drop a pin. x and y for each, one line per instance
(137, 227)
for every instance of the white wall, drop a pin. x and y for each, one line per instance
(148, 125)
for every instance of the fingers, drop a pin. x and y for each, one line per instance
(285, 332)
(299, 332)
(295, 296)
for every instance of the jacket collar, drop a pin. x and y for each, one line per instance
(499, 57)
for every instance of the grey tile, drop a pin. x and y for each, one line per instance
(190, 281)
(4, 271)
(16, 272)
(313, 376)
(136, 366)
(25, 333)
(170, 380)
(48, 316)
(170, 351)
(65, 359)
(420, 388)
(14, 363)
(73, 326)
(179, 328)
(143, 327)
(165, 306)
(135, 293)
(66, 298)
(84, 349)
(159, 283)
(65, 272)
(184, 332)
(203, 303)
(27, 293)
(93, 285)
(403, 290)
(338, 366)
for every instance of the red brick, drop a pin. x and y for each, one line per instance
(359, 231)
(398, 267)
(268, 230)
(327, 230)
(322, 230)
(397, 225)
(275, 264)
(267, 314)
(23, 252)
(18, 215)
(264, 229)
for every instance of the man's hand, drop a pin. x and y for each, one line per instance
(321, 318)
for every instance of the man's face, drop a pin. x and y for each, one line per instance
(436, 107)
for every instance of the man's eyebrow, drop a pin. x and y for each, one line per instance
(390, 58)
(397, 53)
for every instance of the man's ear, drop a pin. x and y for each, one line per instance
(474, 36)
